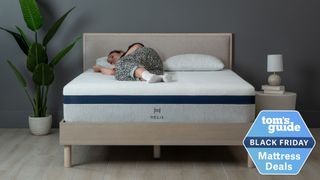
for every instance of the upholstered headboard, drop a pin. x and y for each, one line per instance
(97, 45)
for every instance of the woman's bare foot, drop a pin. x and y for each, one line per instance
(96, 68)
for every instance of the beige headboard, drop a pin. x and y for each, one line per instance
(97, 45)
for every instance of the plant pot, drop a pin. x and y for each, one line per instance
(40, 125)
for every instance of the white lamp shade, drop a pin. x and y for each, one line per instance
(275, 63)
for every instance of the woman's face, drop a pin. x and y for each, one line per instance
(113, 57)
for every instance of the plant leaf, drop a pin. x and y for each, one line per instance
(43, 75)
(62, 53)
(22, 81)
(54, 28)
(19, 76)
(36, 55)
(31, 14)
(19, 39)
(23, 35)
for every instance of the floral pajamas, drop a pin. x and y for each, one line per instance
(144, 57)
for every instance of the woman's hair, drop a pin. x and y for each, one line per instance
(135, 44)
(116, 51)
(124, 53)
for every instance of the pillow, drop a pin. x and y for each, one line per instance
(102, 61)
(193, 62)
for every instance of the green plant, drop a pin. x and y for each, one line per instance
(37, 62)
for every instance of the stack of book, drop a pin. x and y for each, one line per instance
(273, 89)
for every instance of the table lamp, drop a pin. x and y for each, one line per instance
(275, 64)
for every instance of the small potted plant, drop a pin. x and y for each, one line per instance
(40, 66)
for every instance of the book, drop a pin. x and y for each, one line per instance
(273, 92)
(272, 88)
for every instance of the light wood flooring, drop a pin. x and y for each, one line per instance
(24, 156)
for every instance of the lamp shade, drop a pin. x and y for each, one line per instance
(275, 63)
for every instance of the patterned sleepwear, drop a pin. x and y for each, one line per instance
(142, 57)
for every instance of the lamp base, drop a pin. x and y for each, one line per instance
(274, 80)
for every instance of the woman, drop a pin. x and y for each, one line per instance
(137, 63)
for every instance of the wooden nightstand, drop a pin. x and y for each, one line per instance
(286, 101)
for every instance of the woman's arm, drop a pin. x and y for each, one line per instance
(108, 71)
(103, 70)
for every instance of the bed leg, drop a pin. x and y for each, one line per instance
(156, 152)
(250, 162)
(67, 156)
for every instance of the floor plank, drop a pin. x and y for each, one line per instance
(150, 170)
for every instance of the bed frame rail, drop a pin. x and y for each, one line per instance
(72, 133)
(154, 134)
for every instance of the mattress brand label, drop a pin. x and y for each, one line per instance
(156, 113)
(279, 142)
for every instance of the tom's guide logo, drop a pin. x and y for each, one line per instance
(279, 142)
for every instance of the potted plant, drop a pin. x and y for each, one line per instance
(40, 66)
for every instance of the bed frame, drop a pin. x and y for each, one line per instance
(154, 134)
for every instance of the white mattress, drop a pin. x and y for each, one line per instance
(93, 97)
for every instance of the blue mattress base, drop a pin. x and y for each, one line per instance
(150, 99)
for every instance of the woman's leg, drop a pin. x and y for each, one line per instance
(138, 72)
(143, 74)
(124, 69)
(153, 63)
(132, 68)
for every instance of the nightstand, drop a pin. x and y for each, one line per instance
(286, 101)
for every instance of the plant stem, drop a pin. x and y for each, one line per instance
(42, 97)
(44, 105)
(29, 98)
(40, 100)
(36, 102)
(38, 88)
(36, 37)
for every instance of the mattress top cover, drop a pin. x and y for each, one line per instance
(225, 82)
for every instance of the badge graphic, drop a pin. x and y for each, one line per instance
(279, 142)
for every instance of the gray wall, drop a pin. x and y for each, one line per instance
(261, 27)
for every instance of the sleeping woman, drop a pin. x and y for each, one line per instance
(137, 63)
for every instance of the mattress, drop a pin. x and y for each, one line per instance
(202, 96)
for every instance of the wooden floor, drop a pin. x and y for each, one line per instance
(23, 156)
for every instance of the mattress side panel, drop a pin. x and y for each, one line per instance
(186, 113)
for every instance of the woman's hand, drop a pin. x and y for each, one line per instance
(96, 68)
(108, 71)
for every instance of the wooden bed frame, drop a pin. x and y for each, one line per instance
(154, 134)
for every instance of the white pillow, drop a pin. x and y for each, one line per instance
(193, 62)
(102, 61)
